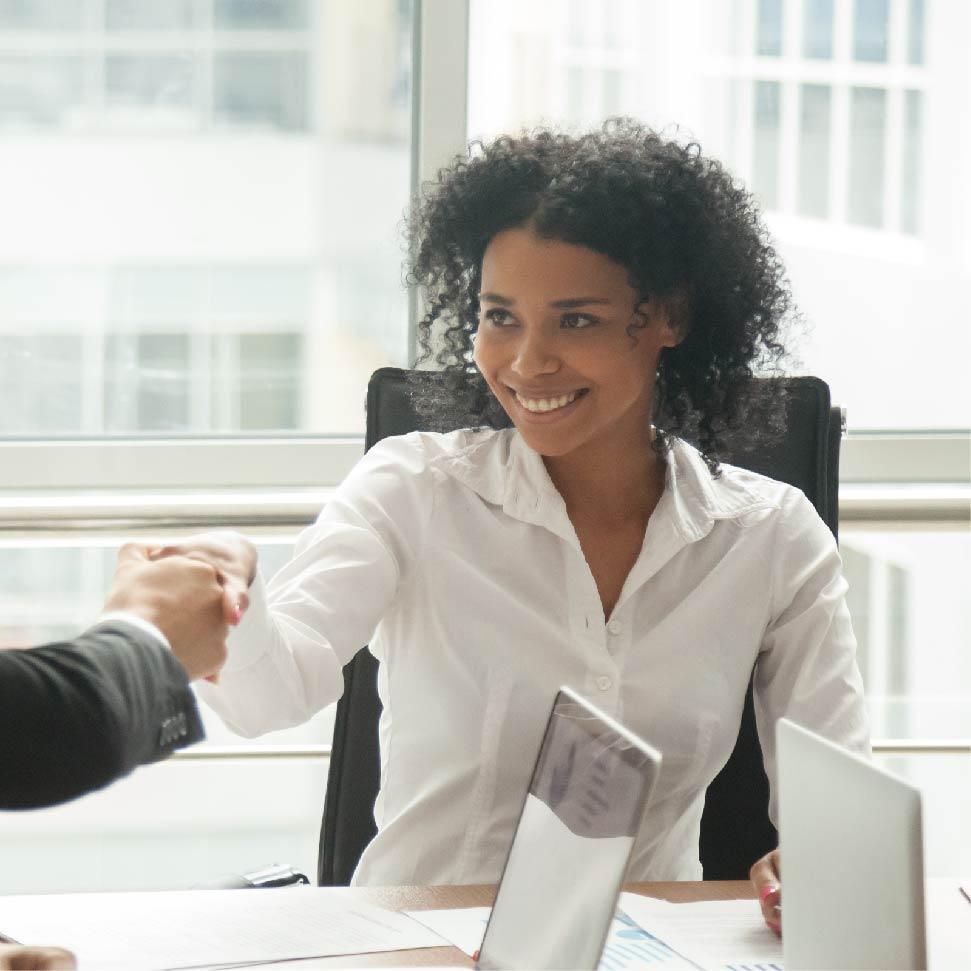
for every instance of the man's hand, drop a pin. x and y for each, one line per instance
(182, 597)
(766, 876)
(17, 957)
(231, 554)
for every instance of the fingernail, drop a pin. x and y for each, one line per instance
(771, 890)
(237, 613)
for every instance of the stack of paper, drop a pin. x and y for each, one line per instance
(716, 934)
(728, 935)
(183, 929)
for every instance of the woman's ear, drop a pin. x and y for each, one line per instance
(664, 318)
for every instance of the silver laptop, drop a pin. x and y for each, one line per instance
(576, 831)
(852, 859)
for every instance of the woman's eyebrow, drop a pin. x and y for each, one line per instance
(566, 304)
(578, 302)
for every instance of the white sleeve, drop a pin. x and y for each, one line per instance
(807, 668)
(286, 656)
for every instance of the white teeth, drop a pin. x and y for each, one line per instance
(547, 404)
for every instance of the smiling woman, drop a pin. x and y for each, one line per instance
(594, 290)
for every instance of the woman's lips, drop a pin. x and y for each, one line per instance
(550, 407)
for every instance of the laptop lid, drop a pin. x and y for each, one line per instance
(852, 859)
(576, 831)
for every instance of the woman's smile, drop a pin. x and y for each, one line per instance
(547, 407)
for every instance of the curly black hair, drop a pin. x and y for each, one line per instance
(690, 236)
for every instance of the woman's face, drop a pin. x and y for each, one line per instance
(554, 344)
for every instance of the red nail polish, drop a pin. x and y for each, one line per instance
(768, 892)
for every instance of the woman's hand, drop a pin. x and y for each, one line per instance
(766, 876)
(14, 957)
(230, 554)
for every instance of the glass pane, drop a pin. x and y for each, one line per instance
(860, 293)
(946, 807)
(910, 187)
(260, 90)
(868, 110)
(261, 14)
(870, 29)
(41, 594)
(40, 384)
(912, 620)
(155, 90)
(814, 112)
(41, 14)
(817, 29)
(165, 828)
(269, 381)
(613, 25)
(147, 382)
(613, 93)
(769, 27)
(915, 32)
(263, 211)
(765, 154)
(39, 91)
(152, 15)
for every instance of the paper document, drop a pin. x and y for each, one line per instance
(713, 934)
(628, 947)
(191, 928)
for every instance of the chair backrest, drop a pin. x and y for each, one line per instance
(735, 827)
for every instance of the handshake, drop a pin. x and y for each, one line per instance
(192, 591)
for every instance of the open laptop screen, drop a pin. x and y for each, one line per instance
(566, 864)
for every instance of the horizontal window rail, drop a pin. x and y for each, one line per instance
(223, 753)
(888, 747)
(906, 746)
(138, 513)
(206, 464)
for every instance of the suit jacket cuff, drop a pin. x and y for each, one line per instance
(128, 617)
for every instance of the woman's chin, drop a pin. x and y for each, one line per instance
(547, 443)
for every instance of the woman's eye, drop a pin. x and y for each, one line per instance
(498, 318)
(577, 321)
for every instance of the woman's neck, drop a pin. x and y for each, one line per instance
(605, 483)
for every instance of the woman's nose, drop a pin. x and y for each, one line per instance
(535, 354)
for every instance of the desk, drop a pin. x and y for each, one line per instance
(433, 898)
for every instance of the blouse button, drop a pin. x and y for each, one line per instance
(614, 627)
(603, 682)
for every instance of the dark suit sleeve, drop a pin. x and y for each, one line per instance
(77, 715)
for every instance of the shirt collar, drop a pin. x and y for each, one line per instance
(501, 468)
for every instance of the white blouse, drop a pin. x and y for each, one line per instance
(454, 558)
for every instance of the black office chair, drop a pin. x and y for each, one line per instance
(735, 827)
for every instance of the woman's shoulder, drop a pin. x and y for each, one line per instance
(739, 493)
